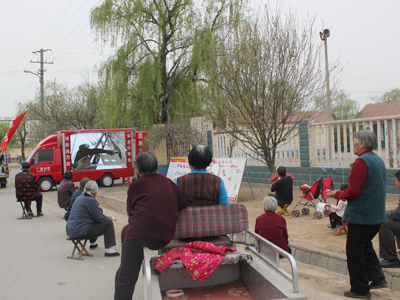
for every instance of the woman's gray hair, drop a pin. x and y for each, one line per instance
(368, 137)
(147, 163)
(91, 188)
(270, 203)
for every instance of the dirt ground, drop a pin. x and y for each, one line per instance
(315, 283)
(304, 229)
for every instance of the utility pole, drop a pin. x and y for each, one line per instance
(40, 74)
(324, 37)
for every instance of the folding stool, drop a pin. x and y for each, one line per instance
(284, 210)
(79, 247)
(343, 230)
(26, 212)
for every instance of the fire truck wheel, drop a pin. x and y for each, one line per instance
(107, 180)
(45, 184)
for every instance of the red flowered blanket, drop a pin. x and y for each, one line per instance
(200, 258)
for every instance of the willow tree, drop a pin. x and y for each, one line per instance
(264, 80)
(160, 47)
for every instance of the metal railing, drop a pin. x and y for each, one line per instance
(269, 254)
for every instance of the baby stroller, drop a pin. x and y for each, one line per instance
(316, 191)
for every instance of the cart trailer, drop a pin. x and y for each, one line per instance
(257, 267)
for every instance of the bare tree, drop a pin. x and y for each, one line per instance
(65, 109)
(179, 138)
(265, 77)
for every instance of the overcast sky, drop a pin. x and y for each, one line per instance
(364, 35)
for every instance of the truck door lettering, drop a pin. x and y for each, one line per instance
(43, 169)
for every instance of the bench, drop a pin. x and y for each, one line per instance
(202, 222)
(80, 247)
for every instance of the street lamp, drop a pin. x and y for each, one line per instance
(41, 80)
(324, 37)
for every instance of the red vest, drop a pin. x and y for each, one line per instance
(200, 189)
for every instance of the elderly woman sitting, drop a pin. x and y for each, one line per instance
(199, 187)
(272, 226)
(152, 206)
(87, 221)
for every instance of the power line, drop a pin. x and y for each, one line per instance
(68, 22)
(57, 23)
(369, 55)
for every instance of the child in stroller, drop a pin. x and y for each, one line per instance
(336, 217)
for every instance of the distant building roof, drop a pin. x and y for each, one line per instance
(381, 110)
(316, 116)
(319, 116)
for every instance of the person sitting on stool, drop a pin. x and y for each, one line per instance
(65, 190)
(87, 221)
(272, 226)
(283, 188)
(387, 234)
(27, 190)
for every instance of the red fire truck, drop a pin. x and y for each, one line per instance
(103, 155)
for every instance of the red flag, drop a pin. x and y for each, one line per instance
(11, 130)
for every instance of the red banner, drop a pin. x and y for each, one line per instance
(140, 136)
(11, 130)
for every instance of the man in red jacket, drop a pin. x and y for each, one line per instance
(152, 205)
(26, 189)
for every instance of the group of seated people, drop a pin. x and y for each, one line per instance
(153, 203)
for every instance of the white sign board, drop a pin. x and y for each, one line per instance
(230, 170)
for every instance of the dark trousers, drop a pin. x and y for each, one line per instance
(131, 261)
(362, 262)
(280, 202)
(334, 219)
(387, 233)
(39, 201)
(105, 228)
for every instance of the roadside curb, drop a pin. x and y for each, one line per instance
(336, 262)
(113, 203)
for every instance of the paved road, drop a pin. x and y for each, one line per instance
(33, 260)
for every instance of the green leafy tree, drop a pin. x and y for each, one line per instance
(342, 107)
(345, 108)
(390, 96)
(264, 78)
(160, 48)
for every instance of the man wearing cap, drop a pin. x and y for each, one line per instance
(26, 189)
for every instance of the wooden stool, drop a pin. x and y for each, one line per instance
(80, 247)
(343, 230)
(284, 210)
(26, 212)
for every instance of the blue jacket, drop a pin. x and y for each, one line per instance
(84, 214)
